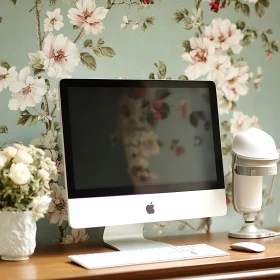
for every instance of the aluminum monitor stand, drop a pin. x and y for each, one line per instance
(129, 237)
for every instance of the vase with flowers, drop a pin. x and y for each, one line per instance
(25, 174)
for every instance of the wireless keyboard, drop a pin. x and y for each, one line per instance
(133, 257)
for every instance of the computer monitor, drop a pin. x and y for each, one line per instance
(139, 151)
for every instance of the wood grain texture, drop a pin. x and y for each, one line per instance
(50, 262)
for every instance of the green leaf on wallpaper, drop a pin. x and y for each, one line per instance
(160, 65)
(97, 51)
(107, 51)
(37, 66)
(39, 72)
(152, 76)
(162, 94)
(265, 3)
(240, 24)
(201, 115)
(88, 60)
(14, 1)
(1, 19)
(186, 45)
(150, 20)
(274, 46)
(52, 2)
(165, 110)
(56, 126)
(88, 43)
(269, 31)
(5, 64)
(25, 118)
(180, 14)
(247, 40)
(260, 10)
(75, 27)
(237, 6)
(144, 26)
(264, 39)
(225, 125)
(48, 84)
(188, 23)
(3, 129)
(151, 120)
(193, 119)
(182, 77)
(245, 9)
(100, 42)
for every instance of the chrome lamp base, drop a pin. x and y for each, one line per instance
(249, 230)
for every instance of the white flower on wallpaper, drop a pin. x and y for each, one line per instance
(53, 21)
(57, 211)
(76, 236)
(235, 82)
(61, 56)
(224, 35)
(201, 57)
(219, 68)
(252, 1)
(240, 122)
(125, 22)
(7, 77)
(27, 91)
(224, 105)
(149, 144)
(87, 16)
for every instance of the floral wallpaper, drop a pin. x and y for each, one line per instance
(232, 42)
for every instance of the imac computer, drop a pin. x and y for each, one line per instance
(140, 151)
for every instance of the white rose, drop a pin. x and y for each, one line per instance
(19, 173)
(10, 152)
(44, 174)
(23, 157)
(39, 206)
(3, 160)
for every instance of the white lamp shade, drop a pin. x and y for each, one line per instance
(256, 144)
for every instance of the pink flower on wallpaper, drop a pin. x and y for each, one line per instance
(235, 83)
(76, 236)
(7, 77)
(61, 56)
(57, 211)
(184, 109)
(86, 15)
(224, 35)
(219, 68)
(268, 55)
(157, 104)
(201, 57)
(215, 6)
(27, 91)
(179, 150)
(53, 21)
(158, 115)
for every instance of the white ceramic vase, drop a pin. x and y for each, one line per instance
(17, 235)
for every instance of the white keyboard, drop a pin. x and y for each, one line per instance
(133, 257)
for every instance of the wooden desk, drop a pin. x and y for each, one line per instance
(50, 262)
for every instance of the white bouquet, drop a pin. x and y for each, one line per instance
(25, 174)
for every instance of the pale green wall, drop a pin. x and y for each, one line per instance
(136, 52)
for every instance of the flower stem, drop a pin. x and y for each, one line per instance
(197, 3)
(80, 35)
(39, 35)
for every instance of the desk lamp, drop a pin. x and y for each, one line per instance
(254, 155)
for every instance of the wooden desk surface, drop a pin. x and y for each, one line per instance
(50, 262)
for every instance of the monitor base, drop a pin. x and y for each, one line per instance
(249, 230)
(129, 237)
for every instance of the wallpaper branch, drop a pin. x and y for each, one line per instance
(71, 33)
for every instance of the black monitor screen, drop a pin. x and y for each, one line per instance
(155, 137)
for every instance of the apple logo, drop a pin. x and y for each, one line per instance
(150, 208)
